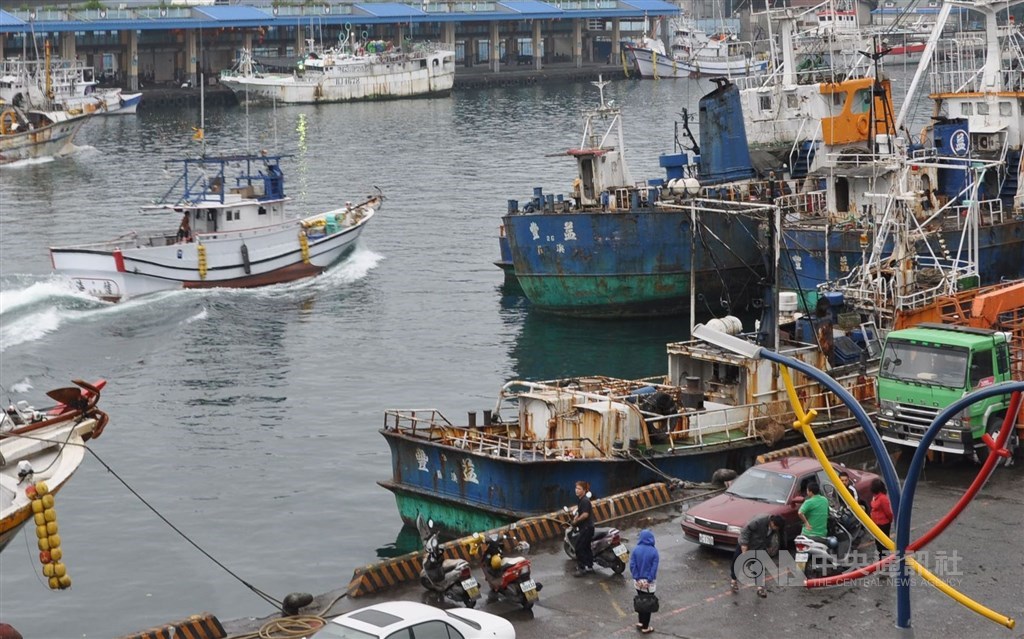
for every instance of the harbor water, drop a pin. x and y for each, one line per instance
(244, 423)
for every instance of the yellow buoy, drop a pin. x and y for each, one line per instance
(40, 520)
(50, 514)
(37, 506)
(56, 554)
(54, 541)
(65, 581)
(47, 501)
(59, 569)
(54, 583)
(44, 543)
(41, 532)
(48, 570)
(51, 528)
(42, 488)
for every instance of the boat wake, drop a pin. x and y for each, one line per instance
(18, 164)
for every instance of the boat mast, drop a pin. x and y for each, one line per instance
(922, 67)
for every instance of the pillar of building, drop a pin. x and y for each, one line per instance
(191, 55)
(68, 50)
(401, 34)
(246, 41)
(133, 60)
(300, 40)
(616, 37)
(536, 45)
(471, 49)
(3, 45)
(495, 52)
(577, 42)
(449, 35)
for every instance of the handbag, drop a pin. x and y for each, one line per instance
(645, 602)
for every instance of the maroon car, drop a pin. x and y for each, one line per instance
(772, 488)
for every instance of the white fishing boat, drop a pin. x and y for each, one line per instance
(348, 72)
(44, 445)
(32, 134)
(56, 83)
(695, 53)
(233, 232)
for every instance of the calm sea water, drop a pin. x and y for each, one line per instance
(249, 419)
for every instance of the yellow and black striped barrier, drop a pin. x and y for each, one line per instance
(392, 572)
(833, 444)
(202, 626)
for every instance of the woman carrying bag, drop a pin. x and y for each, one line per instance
(643, 565)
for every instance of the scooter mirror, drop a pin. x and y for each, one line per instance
(565, 509)
(430, 523)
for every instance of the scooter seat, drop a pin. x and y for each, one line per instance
(449, 565)
(600, 533)
(511, 561)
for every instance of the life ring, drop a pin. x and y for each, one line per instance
(8, 120)
(862, 125)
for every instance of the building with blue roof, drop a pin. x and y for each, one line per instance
(177, 43)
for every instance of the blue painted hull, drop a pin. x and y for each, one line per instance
(632, 263)
(803, 267)
(511, 489)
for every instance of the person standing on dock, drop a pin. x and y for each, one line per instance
(643, 565)
(584, 521)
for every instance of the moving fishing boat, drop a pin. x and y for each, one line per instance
(31, 134)
(695, 53)
(351, 71)
(44, 445)
(234, 232)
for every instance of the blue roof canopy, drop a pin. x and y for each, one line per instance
(224, 13)
(651, 5)
(387, 10)
(534, 7)
(7, 20)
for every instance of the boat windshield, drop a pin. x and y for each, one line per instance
(924, 363)
(762, 485)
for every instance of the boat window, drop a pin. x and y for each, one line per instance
(983, 108)
(792, 101)
(861, 101)
(838, 99)
(262, 211)
(967, 108)
(766, 102)
(1005, 108)
(211, 214)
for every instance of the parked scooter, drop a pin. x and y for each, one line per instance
(451, 578)
(607, 546)
(836, 553)
(508, 577)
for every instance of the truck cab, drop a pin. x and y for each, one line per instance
(925, 369)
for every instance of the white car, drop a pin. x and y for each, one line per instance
(412, 620)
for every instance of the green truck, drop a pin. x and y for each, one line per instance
(925, 369)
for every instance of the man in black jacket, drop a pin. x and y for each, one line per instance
(757, 535)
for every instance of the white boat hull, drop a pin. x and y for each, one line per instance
(242, 259)
(49, 141)
(650, 65)
(55, 453)
(347, 82)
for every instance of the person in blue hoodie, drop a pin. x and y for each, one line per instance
(643, 565)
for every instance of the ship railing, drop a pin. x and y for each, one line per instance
(809, 204)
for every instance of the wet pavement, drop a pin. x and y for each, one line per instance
(983, 555)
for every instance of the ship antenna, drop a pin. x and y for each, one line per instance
(601, 83)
